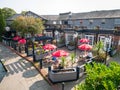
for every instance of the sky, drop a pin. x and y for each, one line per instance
(54, 7)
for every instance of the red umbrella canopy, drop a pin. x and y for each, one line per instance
(22, 41)
(85, 47)
(49, 47)
(17, 38)
(84, 40)
(60, 53)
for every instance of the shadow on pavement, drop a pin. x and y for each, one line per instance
(18, 66)
(2, 72)
(30, 73)
(40, 85)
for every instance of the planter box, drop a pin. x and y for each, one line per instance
(70, 47)
(112, 53)
(40, 56)
(30, 53)
(60, 45)
(62, 75)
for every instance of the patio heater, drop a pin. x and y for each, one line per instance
(56, 34)
(107, 39)
(75, 35)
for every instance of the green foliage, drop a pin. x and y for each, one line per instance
(28, 25)
(72, 43)
(72, 55)
(63, 61)
(7, 12)
(2, 24)
(99, 52)
(98, 48)
(101, 77)
(23, 12)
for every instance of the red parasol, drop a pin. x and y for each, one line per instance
(22, 41)
(60, 53)
(85, 47)
(84, 40)
(49, 47)
(17, 38)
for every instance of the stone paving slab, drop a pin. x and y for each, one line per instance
(21, 75)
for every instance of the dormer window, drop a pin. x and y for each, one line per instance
(90, 21)
(103, 21)
(81, 21)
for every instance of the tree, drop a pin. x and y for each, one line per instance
(23, 12)
(2, 24)
(7, 12)
(29, 24)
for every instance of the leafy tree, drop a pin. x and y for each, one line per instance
(23, 12)
(7, 12)
(29, 24)
(2, 24)
(101, 77)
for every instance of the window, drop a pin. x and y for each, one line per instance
(91, 38)
(117, 21)
(103, 21)
(104, 39)
(81, 21)
(54, 22)
(90, 21)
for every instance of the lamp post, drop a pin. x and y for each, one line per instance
(44, 41)
(107, 39)
(7, 39)
(56, 34)
(33, 52)
(75, 38)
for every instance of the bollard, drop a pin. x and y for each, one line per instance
(78, 71)
(63, 84)
(40, 63)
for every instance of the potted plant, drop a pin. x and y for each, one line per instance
(61, 43)
(71, 45)
(72, 55)
(63, 59)
(112, 51)
(98, 52)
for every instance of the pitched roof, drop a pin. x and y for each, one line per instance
(13, 17)
(27, 13)
(97, 14)
(50, 17)
(91, 15)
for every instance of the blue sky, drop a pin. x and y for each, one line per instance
(44, 7)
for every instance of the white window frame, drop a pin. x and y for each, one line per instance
(90, 36)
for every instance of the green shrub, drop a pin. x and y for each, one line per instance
(101, 77)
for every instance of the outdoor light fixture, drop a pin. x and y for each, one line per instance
(33, 39)
(7, 28)
(44, 32)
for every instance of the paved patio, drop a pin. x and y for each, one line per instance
(24, 75)
(21, 74)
